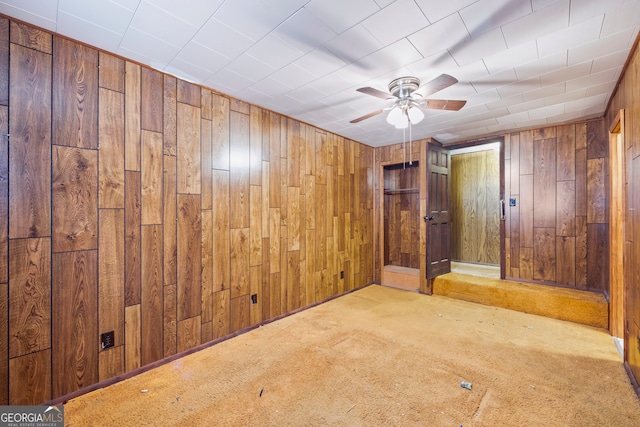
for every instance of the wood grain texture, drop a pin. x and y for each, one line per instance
(189, 257)
(74, 188)
(170, 135)
(30, 378)
(152, 96)
(29, 296)
(170, 218)
(544, 183)
(526, 153)
(132, 106)
(152, 303)
(30, 37)
(566, 149)
(189, 333)
(75, 94)
(188, 149)
(206, 110)
(170, 320)
(239, 172)
(598, 257)
(4, 195)
(566, 261)
(256, 288)
(206, 173)
(526, 211)
(544, 254)
(207, 251)
(30, 143)
(74, 288)
(581, 251)
(4, 62)
(132, 337)
(111, 140)
(221, 313)
(4, 343)
(255, 142)
(581, 182)
(240, 313)
(255, 225)
(239, 240)
(597, 140)
(597, 191)
(111, 266)
(221, 131)
(566, 208)
(132, 239)
(221, 243)
(111, 72)
(111, 362)
(189, 93)
(151, 191)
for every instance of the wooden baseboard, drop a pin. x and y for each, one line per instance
(575, 305)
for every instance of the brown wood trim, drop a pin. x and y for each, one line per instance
(113, 380)
(632, 379)
(627, 63)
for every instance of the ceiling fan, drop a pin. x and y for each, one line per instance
(403, 93)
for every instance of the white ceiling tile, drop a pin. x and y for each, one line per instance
(477, 48)
(195, 53)
(341, 15)
(148, 45)
(544, 21)
(271, 87)
(104, 14)
(596, 101)
(561, 75)
(565, 97)
(306, 93)
(430, 67)
(195, 12)
(293, 75)
(274, 51)
(440, 36)
(131, 5)
(319, 62)
(304, 31)
(79, 29)
(353, 44)
(436, 10)
(187, 71)
(228, 82)
(505, 102)
(571, 37)
(520, 86)
(603, 88)
(249, 67)
(42, 14)
(486, 15)
(610, 61)
(510, 58)
(601, 47)
(256, 18)
(389, 58)
(543, 65)
(513, 118)
(526, 106)
(400, 19)
(223, 39)
(627, 14)
(545, 92)
(592, 80)
(151, 20)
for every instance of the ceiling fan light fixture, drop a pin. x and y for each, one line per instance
(415, 115)
(395, 117)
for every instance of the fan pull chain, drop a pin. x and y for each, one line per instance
(404, 149)
(410, 145)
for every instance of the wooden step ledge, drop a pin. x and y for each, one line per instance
(574, 305)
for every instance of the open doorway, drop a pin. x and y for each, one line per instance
(476, 210)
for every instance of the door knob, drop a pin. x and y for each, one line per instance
(429, 218)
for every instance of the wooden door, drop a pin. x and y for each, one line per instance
(438, 216)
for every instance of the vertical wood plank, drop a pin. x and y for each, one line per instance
(566, 261)
(111, 362)
(598, 257)
(4, 68)
(293, 218)
(4, 341)
(581, 251)
(151, 178)
(596, 191)
(75, 94)
(169, 113)
(207, 266)
(74, 288)
(275, 164)
(544, 185)
(222, 253)
(221, 314)
(597, 140)
(132, 238)
(189, 257)
(152, 303)
(74, 199)
(111, 140)
(30, 378)
(132, 105)
(170, 345)
(255, 283)
(189, 333)
(566, 147)
(239, 177)
(566, 208)
(240, 313)
(170, 221)
(152, 95)
(239, 238)
(111, 74)
(132, 336)
(33, 38)
(111, 262)
(255, 225)
(4, 194)
(526, 211)
(188, 150)
(30, 143)
(581, 182)
(189, 93)
(255, 142)
(220, 135)
(526, 153)
(206, 110)
(29, 296)
(205, 166)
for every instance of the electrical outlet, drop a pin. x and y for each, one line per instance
(512, 201)
(342, 274)
(254, 299)
(107, 339)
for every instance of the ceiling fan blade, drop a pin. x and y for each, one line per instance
(445, 104)
(375, 92)
(443, 81)
(366, 116)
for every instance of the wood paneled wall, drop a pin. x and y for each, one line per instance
(401, 215)
(475, 209)
(627, 98)
(134, 202)
(558, 230)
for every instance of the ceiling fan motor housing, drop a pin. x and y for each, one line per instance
(403, 87)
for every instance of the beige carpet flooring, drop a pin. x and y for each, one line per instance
(383, 357)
